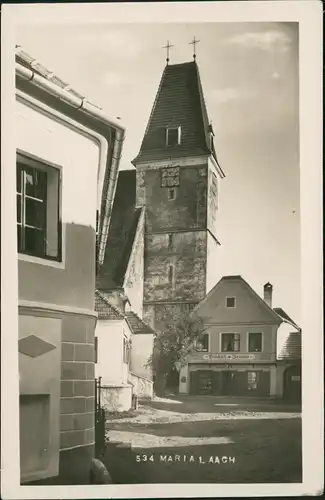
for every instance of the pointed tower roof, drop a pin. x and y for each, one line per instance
(179, 103)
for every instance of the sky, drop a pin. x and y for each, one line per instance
(249, 74)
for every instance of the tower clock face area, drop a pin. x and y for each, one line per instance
(170, 177)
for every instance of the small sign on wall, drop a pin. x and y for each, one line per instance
(183, 380)
(295, 378)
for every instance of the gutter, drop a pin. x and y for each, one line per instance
(87, 108)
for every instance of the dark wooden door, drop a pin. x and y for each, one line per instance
(226, 383)
(263, 384)
(292, 384)
(217, 383)
(239, 384)
(201, 382)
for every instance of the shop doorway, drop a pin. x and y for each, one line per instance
(292, 383)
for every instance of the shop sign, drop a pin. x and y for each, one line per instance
(228, 356)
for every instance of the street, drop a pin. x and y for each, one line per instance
(208, 440)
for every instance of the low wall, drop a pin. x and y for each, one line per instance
(142, 387)
(116, 397)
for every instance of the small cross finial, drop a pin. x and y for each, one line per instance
(167, 47)
(194, 42)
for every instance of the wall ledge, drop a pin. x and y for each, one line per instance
(115, 386)
(29, 307)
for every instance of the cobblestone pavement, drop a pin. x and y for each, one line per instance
(173, 410)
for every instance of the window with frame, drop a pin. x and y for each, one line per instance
(173, 136)
(170, 177)
(38, 209)
(171, 194)
(230, 302)
(252, 381)
(126, 351)
(203, 343)
(255, 342)
(230, 342)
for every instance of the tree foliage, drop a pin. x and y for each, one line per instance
(175, 343)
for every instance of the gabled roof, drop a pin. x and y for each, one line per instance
(291, 348)
(179, 102)
(122, 232)
(105, 309)
(237, 278)
(137, 325)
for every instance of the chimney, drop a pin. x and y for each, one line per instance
(268, 291)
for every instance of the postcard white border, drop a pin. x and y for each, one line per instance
(309, 16)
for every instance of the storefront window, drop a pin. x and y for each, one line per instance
(252, 381)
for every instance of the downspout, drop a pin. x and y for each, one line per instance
(91, 110)
(116, 156)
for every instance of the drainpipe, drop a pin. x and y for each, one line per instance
(91, 110)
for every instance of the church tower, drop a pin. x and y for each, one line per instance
(177, 180)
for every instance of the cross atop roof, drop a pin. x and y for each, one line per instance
(167, 47)
(194, 42)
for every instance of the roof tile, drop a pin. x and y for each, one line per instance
(105, 309)
(31, 63)
(137, 325)
(292, 347)
(122, 231)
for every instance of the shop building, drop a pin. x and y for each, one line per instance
(237, 355)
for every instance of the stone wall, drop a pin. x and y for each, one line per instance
(77, 382)
(133, 284)
(187, 210)
(185, 253)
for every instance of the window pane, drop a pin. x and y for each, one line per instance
(35, 213)
(35, 183)
(18, 178)
(19, 247)
(228, 342)
(205, 342)
(255, 342)
(172, 137)
(34, 242)
(230, 302)
(18, 208)
(252, 381)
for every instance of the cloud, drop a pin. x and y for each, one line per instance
(264, 40)
(222, 96)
